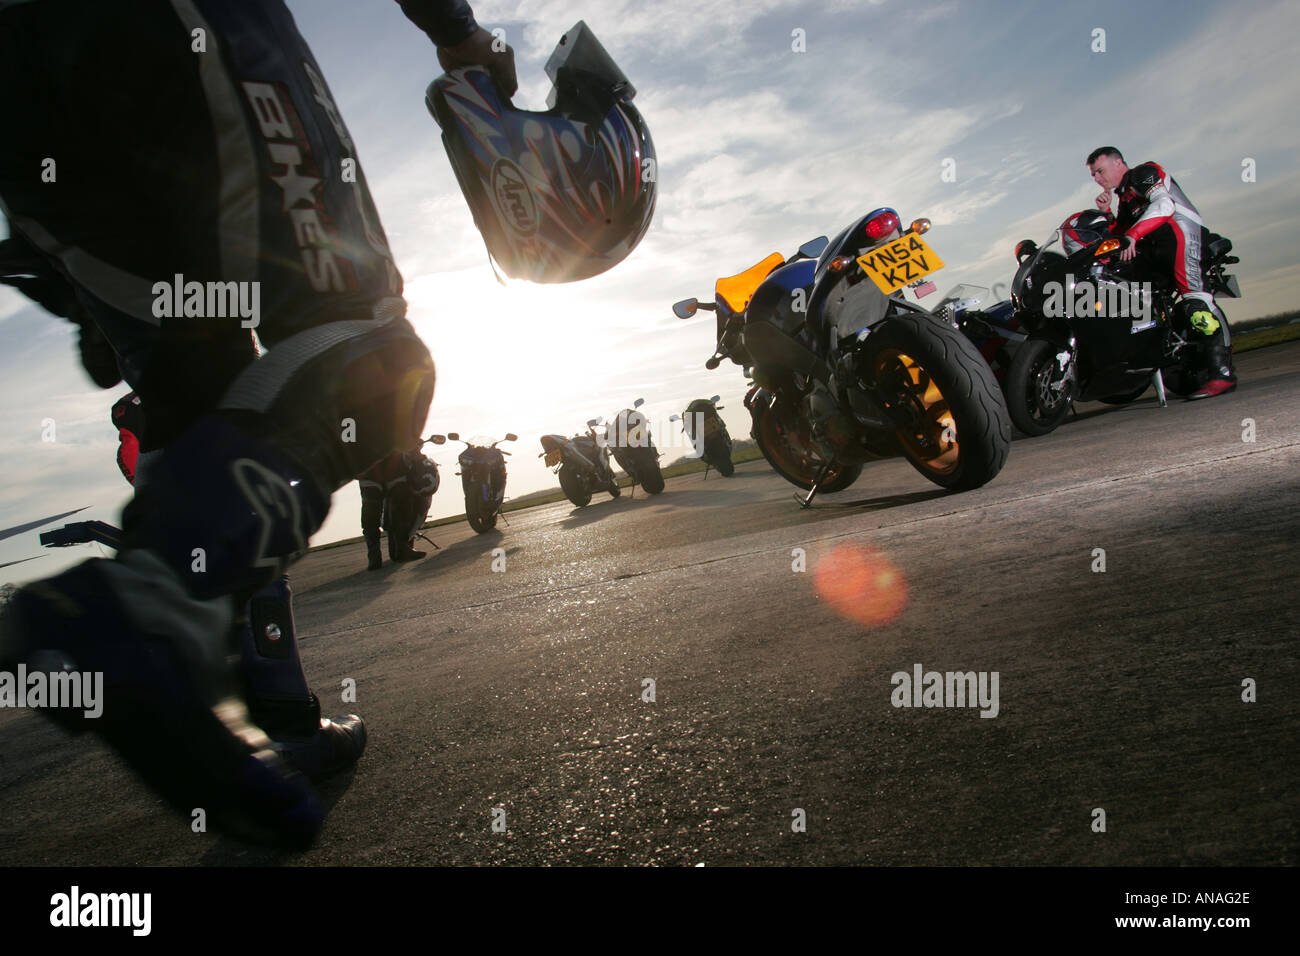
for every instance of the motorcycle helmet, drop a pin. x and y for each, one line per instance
(1084, 228)
(559, 195)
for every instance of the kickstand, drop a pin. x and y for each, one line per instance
(502, 516)
(706, 471)
(812, 492)
(421, 534)
(1074, 412)
(1158, 380)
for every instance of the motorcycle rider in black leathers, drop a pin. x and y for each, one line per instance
(167, 158)
(1154, 208)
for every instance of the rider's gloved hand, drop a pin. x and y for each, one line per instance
(483, 49)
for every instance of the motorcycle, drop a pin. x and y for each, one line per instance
(846, 370)
(483, 478)
(1095, 334)
(407, 503)
(634, 449)
(702, 415)
(582, 463)
(995, 332)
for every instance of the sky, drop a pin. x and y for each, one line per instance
(774, 121)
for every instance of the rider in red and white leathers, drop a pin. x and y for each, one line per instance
(1154, 208)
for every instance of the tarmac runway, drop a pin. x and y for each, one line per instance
(511, 721)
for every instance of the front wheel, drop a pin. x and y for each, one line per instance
(953, 426)
(482, 517)
(783, 438)
(574, 488)
(1039, 392)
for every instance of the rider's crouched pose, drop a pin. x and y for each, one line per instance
(182, 165)
(1153, 207)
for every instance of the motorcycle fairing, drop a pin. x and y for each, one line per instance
(776, 298)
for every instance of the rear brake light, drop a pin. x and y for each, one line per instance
(881, 226)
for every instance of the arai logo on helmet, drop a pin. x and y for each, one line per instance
(514, 198)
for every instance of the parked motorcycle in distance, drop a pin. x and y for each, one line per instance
(407, 503)
(845, 369)
(1095, 332)
(582, 463)
(634, 450)
(483, 478)
(701, 416)
(994, 331)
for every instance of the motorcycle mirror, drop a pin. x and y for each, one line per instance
(454, 436)
(1025, 247)
(674, 418)
(638, 403)
(511, 436)
(814, 247)
(439, 439)
(715, 399)
(919, 226)
(592, 423)
(686, 308)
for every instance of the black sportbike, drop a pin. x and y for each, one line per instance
(705, 427)
(483, 478)
(582, 463)
(407, 503)
(629, 439)
(1101, 329)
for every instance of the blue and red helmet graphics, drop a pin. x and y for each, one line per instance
(559, 195)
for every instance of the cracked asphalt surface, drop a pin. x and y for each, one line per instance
(524, 689)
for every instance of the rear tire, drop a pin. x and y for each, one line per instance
(574, 488)
(719, 456)
(1182, 381)
(652, 476)
(935, 373)
(395, 520)
(1029, 380)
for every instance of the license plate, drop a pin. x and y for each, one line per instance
(895, 264)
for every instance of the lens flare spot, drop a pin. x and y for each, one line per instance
(860, 584)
